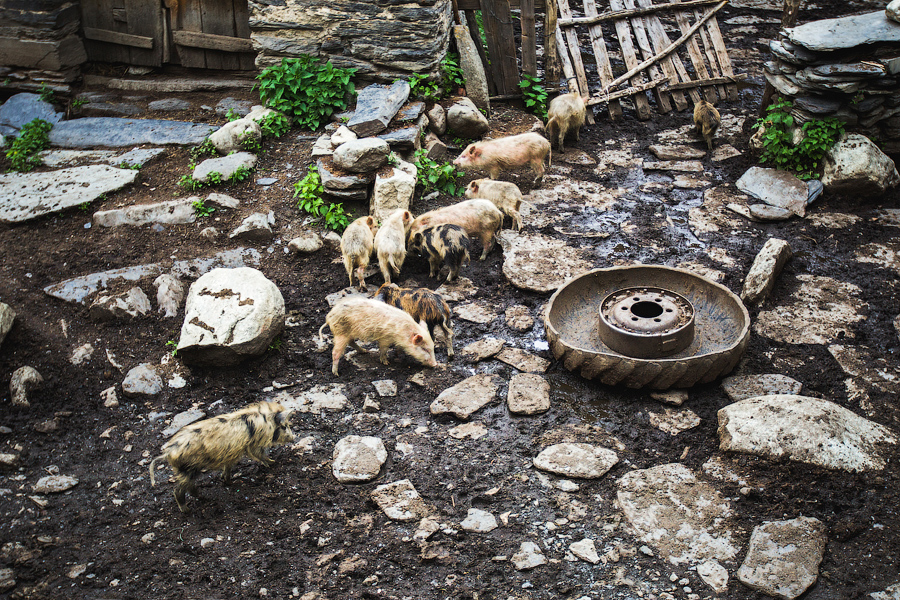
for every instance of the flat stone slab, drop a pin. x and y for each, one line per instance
(817, 312)
(25, 196)
(528, 557)
(81, 289)
(400, 501)
(67, 158)
(53, 484)
(869, 365)
(479, 521)
(776, 188)
(528, 394)
(315, 400)
(467, 396)
(681, 166)
(576, 460)
(523, 361)
(676, 152)
(684, 518)
(845, 32)
(765, 270)
(112, 132)
(468, 430)
(181, 419)
(376, 105)
(806, 430)
(475, 313)
(741, 387)
(585, 550)
(673, 421)
(170, 212)
(783, 558)
(358, 459)
(482, 349)
(23, 108)
(538, 263)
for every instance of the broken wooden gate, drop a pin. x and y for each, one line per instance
(211, 34)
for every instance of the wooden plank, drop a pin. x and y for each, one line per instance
(722, 55)
(653, 72)
(696, 57)
(529, 39)
(614, 107)
(654, 27)
(551, 48)
(216, 16)
(187, 17)
(145, 19)
(98, 15)
(623, 33)
(705, 82)
(247, 60)
(209, 41)
(660, 36)
(492, 33)
(568, 69)
(612, 15)
(539, 5)
(472, 24)
(114, 37)
(710, 56)
(626, 92)
(509, 63)
(575, 52)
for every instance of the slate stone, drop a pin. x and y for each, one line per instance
(114, 132)
(376, 105)
(472, 68)
(24, 108)
(783, 557)
(776, 188)
(142, 380)
(539, 263)
(817, 104)
(845, 32)
(865, 70)
(400, 501)
(334, 180)
(764, 212)
(169, 104)
(171, 211)
(467, 396)
(357, 459)
(410, 111)
(136, 158)
(239, 107)
(181, 419)
(109, 109)
(404, 139)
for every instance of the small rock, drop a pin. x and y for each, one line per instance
(361, 156)
(765, 269)
(7, 580)
(9, 460)
(676, 152)
(714, 575)
(23, 381)
(342, 135)
(528, 394)
(576, 460)
(358, 459)
(222, 200)
(129, 305)
(181, 419)
(7, 316)
(370, 405)
(482, 349)
(529, 556)
(209, 233)
(855, 165)
(437, 120)
(169, 294)
(400, 501)
(467, 396)
(673, 421)
(255, 228)
(142, 380)
(225, 166)
(207, 542)
(306, 242)
(523, 361)
(52, 484)
(479, 521)
(465, 120)
(518, 318)
(724, 152)
(76, 571)
(110, 400)
(585, 550)
(148, 537)
(468, 430)
(385, 387)
(230, 137)
(673, 397)
(81, 354)
(475, 313)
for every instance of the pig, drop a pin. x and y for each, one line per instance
(707, 120)
(566, 113)
(422, 305)
(220, 442)
(505, 196)
(445, 243)
(373, 321)
(390, 242)
(507, 153)
(478, 217)
(356, 248)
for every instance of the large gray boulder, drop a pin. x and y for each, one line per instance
(857, 166)
(230, 315)
(376, 105)
(393, 190)
(24, 108)
(361, 156)
(465, 120)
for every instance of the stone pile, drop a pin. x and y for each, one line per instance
(847, 68)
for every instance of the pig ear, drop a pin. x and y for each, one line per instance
(472, 150)
(407, 216)
(474, 187)
(417, 339)
(370, 221)
(282, 416)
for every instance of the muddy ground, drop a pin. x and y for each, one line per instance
(293, 529)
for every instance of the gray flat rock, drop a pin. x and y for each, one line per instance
(783, 558)
(764, 212)
(25, 196)
(845, 32)
(467, 396)
(171, 212)
(528, 394)
(523, 361)
(741, 387)
(357, 459)
(142, 380)
(804, 429)
(682, 166)
(576, 460)
(765, 270)
(674, 421)
(400, 501)
(226, 166)
(676, 152)
(70, 158)
(317, 399)
(482, 349)
(170, 105)
(136, 158)
(528, 557)
(24, 108)
(181, 419)
(113, 132)
(376, 105)
(775, 188)
(538, 263)
(479, 521)
(53, 484)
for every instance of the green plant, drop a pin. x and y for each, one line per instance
(213, 178)
(393, 159)
(819, 135)
(274, 124)
(250, 142)
(201, 209)
(174, 346)
(306, 89)
(47, 94)
(534, 95)
(421, 86)
(434, 176)
(309, 191)
(204, 149)
(231, 115)
(128, 165)
(453, 75)
(79, 102)
(275, 346)
(240, 174)
(84, 207)
(33, 137)
(189, 183)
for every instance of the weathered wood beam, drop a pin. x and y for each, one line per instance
(633, 12)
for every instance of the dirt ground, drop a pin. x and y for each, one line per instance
(293, 529)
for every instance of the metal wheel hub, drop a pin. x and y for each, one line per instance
(646, 322)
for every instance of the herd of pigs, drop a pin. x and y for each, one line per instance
(396, 317)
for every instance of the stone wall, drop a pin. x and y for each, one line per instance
(382, 39)
(846, 68)
(39, 43)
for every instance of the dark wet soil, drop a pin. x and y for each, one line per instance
(293, 529)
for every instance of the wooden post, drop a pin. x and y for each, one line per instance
(529, 39)
(551, 49)
(788, 19)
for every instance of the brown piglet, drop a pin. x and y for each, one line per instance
(507, 153)
(422, 305)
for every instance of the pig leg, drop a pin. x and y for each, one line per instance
(382, 352)
(358, 348)
(537, 165)
(516, 219)
(361, 276)
(348, 264)
(385, 267)
(495, 172)
(226, 475)
(487, 243)
(448, 335)
(433, 265)
(453, 271)
(340, 345)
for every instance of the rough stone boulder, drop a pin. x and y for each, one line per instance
(361, 156)
(393, 190)
(857, 166)
(229, 138)
(465, 120)
(230, 315)
(225, 166)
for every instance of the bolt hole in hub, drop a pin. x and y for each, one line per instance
(646, 322)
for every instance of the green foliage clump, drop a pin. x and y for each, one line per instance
(309, 192)
(453, 75)
(534, 95)
(201, 209)
(423, 87)
(23, 150)
(250, 143)
(306, 89)
(777, 139)
(434, 176)
(240, 174)
(47, 94)
(274, 124)
(204, 149)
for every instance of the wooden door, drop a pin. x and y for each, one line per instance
(211, 34)
(127, 31)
